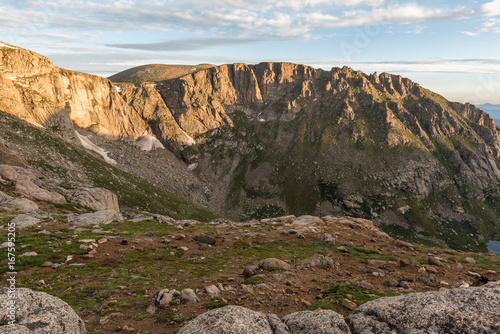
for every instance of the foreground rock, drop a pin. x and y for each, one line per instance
(38, 312)
(228, 320)
(316, 322)
(462, 310)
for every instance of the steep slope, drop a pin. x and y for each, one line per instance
(60, 160)
(155, 72)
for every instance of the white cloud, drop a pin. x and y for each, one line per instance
(491, 25)
(490, 8)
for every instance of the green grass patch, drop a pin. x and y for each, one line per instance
(339, 292)
(170, 316)
(141, 316)
(254, 279)
(215, 302)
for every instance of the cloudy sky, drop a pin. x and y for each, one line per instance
(450, 47)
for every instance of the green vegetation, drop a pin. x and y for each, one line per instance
(215, 302)
(366, 254)
(170, 316)
(484, 261)
(339, 292)
(141, 316)
(254, 279)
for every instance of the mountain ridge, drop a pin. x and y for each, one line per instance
(276, 138)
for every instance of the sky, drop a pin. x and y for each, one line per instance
(450, 47)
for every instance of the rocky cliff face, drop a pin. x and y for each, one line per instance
(41, 93)
(279, 137)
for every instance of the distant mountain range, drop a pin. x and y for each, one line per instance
(493, 110)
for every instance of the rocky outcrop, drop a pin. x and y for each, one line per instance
(7, 157)
(316, 322)
(39, 92)
(462, 310)
(97, 218)
(51, 314)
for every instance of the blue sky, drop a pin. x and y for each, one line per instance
(447, 46)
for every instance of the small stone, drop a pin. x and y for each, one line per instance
(189, 295)
(328, 239)
(45, 232)
(460, 266)
(180, 237)
(84, 247)
(305, 302)
(422, 270)
(342, 249)
(46, 264)
(212, 291)
(124, 242)
(405, 263)
(349, 304)
(348, 244)
(203, 247)
(55, 266)
(377, 263)
(365, 285)
(470, 260)
(432, 270)
(101, 241)
(148, 234)
(434, 261)
(183, 248)
(205, 239)
(29, 254)
(391, 283)
(444, 283)
(127, 328)
(473, 274)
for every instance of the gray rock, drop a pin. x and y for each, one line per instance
(434, 261)
(470, 260)
(463, 310)
(228, 320)
(40, 313)
(55, 266)
(212, 291)
(316, 322)
(307, 220)
(250, 270)
(29, 254)
(28, 188)
(206, 239)
(162, 299)
(272, 263)
(391, 283)
(97, 218)
(165, 220)
(190, 296)
(328, 239)
(317, 261)
(23, 221)
(277, 326)
(95, 198)
(21, 204)
(348, 243)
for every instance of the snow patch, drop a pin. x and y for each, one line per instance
(39, 125)
(118, 89)
(148, 142)
(153, 85)
(193, 166)
(190, 141)
(93, 147)
(12, 78)
(194, 68)
(2, 45)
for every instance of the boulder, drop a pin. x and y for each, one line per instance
(212, 291)
(28, 188)
(39, 313)
(461, 310)
(23, 221)
(317, 260)
(316, 322)
(228, 320)
(162, 299)
(21, 204)
(272, 263)
(190, 296)
(98, 217)
(7, 157)
(95, 198)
